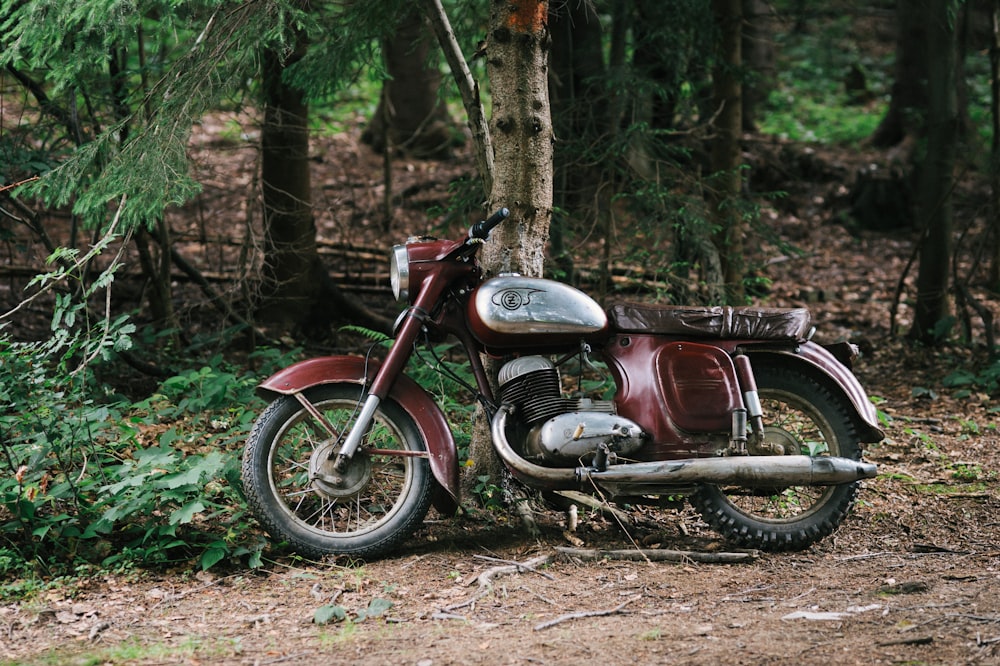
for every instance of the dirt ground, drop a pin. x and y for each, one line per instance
(911, 578)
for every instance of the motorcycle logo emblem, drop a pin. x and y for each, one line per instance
(512, 299)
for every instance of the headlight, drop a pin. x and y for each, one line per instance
(399, 272)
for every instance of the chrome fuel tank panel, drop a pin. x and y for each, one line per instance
(507, 307)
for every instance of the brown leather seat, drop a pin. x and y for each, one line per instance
(721, 321)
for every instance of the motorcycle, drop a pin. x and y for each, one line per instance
(734, 408)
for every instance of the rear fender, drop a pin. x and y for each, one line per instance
(414, 400)
(835, 374)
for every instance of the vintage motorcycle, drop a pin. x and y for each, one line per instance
(733, 407)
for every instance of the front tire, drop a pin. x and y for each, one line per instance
(291, 488)
(803, 417)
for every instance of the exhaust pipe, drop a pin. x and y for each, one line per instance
(749, 471)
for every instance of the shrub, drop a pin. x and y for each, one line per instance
(92, 477)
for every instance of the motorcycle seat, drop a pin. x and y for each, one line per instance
(720, 321)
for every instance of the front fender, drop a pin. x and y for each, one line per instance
(414, 400)
(837, 375)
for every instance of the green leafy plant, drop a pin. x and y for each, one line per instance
(328, 613)
(985, 378)
(490, 495)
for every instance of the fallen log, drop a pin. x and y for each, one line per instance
(658, 555)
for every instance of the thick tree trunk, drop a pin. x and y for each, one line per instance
(995, 146)
(521, 130)
(521, 127)
(724, 186)
(936, 181)
(909, 87)
(292, 269)
(411, 115)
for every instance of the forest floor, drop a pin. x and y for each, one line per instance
(912, 577)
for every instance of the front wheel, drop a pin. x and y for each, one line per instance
(293, 490)
(801, 417)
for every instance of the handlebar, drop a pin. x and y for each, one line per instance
(482, 229)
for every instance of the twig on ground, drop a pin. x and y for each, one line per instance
(447, 616)
(570, 497)
(536, 595)
(917, 640)
(520, 565)
(485, 579)
(864, 556)
(582, 614)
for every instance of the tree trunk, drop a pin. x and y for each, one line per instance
(995, 146)
(936, 178)
(411, 115)
(724, 185)
(292, 269)
(579, 117)
(758, 57)
(521, 130)
(909, 87)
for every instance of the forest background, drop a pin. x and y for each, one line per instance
(194, 194)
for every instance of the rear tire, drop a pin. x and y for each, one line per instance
(292, 490)
(805, 417)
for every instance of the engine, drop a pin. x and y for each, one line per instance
(558, 429)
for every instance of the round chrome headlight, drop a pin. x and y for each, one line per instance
(399, 272)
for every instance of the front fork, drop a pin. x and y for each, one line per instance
(413, 319)
(357, 433)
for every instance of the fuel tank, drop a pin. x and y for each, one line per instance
(517, 311)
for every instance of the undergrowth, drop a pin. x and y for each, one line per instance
(92, 478)
(95, 482)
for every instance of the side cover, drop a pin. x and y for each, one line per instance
(678, 391)
(414, 400)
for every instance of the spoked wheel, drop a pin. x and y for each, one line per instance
(295, 492)
(802, 417)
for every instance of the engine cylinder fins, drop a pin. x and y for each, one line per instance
(524, 365)
(537, 396)
(532, 384)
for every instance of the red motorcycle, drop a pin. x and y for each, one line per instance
(733, 407)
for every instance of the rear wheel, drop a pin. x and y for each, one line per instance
(801, 417)
(293, 490)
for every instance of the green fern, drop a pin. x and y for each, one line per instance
(374, 336)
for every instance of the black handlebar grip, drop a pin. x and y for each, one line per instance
(483, 228)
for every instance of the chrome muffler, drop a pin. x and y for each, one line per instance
(749, 471)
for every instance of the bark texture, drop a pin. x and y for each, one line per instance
(937, 173)
(521, 131)
(724, 187)
(291, 263)
(521, 128)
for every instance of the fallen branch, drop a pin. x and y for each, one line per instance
(567, 498)
(485, 579)
(520, 566)
(582, 614)
(657, 555)
(919, 640)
